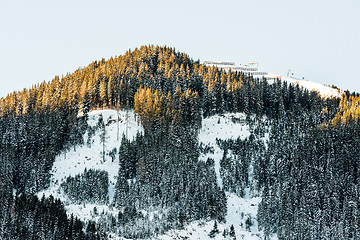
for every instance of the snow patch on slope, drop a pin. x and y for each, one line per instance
(75, 161)
(324, 91)
(239, 210)
(225, 126)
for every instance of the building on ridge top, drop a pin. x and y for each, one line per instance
(250, 68)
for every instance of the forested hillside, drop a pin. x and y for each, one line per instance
(305, 169)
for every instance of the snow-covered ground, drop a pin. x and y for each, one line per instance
(73, 162)
(239, 210)
(226, 126)
(221, 127)
(324, 91)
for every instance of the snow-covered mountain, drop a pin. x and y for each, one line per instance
(89, 156)
(198, 162)
(218, 127)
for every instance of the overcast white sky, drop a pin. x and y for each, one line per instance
(315, 39)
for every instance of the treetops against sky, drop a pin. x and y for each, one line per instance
(169, 74)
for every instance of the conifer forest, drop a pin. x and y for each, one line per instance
(301, 157)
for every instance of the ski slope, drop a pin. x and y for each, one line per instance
(324, 91)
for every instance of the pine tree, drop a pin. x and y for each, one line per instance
(214, 231)
(101, 124)
(232, 232)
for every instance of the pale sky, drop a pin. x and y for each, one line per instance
(315, 39)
